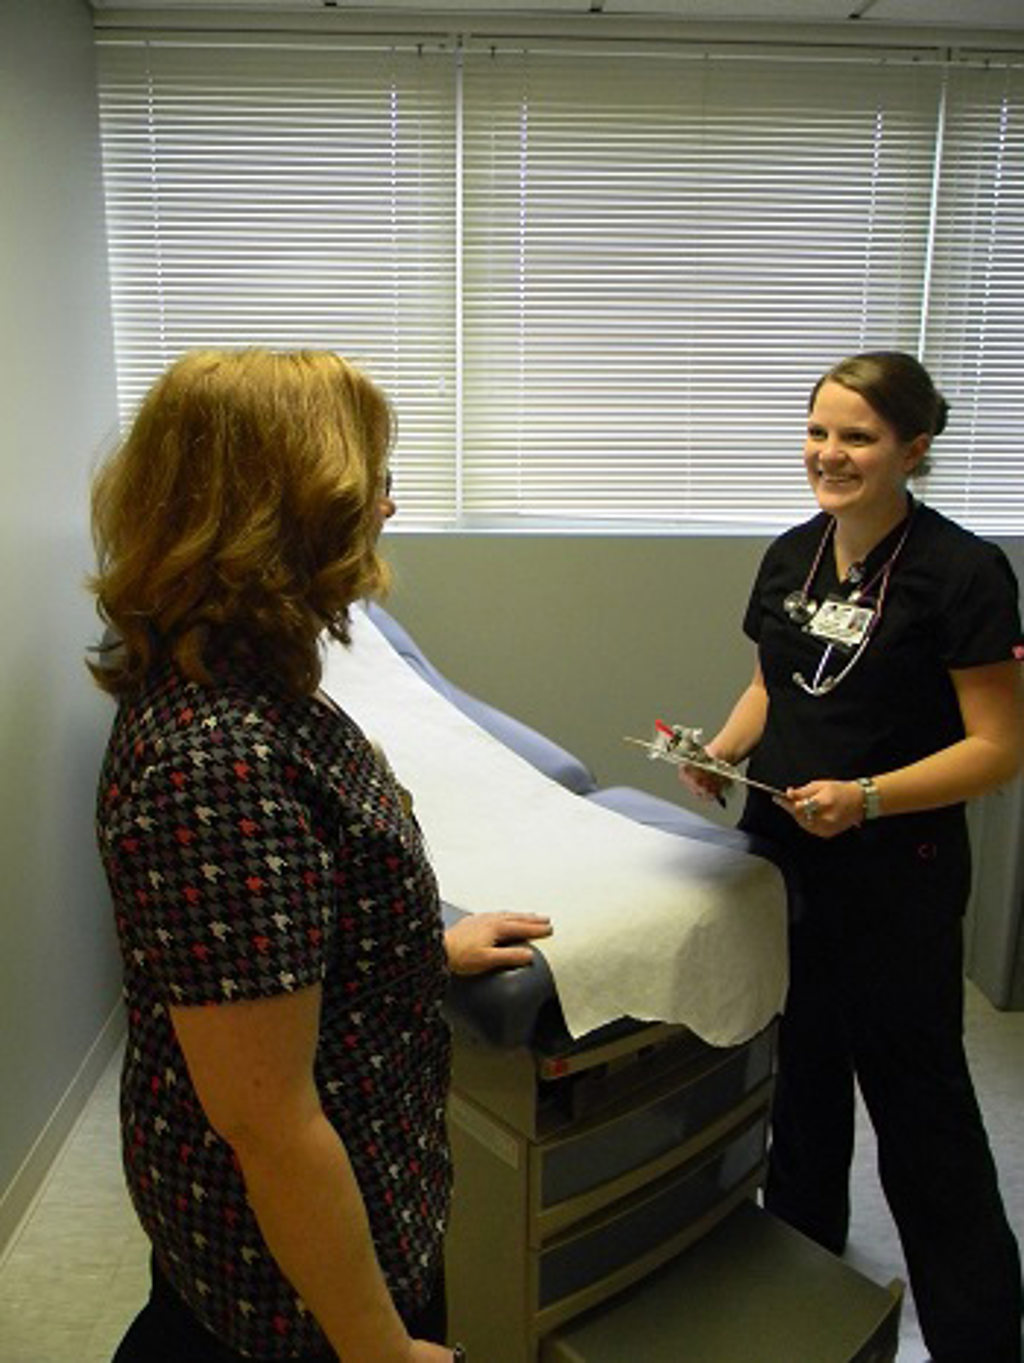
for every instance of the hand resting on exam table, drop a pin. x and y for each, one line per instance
(502, 835)
(482, 942)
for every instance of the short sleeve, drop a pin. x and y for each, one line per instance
(979, 618)
(222, 882)
(753, 616)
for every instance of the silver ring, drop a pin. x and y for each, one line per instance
(810, 809)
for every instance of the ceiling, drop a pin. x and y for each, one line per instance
(973, 14)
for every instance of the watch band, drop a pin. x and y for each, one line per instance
(869, 793)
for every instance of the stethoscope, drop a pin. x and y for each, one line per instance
(801, 609)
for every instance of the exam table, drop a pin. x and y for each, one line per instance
(605, 1182)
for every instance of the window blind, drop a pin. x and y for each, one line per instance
(662, 255)
(974, 335)
(289, 196)
(598, 282)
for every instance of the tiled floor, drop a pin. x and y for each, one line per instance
(77, 1272)
(995, 1046)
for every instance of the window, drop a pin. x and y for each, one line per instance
(597, 282)
(289, 196)
(975, 316)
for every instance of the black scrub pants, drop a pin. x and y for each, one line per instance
(167, 1331)
(876, 992)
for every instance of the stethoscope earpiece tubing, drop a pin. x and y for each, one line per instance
(801, 609)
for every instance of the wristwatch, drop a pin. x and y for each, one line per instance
(869, 793)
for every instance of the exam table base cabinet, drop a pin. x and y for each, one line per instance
(581, 1170)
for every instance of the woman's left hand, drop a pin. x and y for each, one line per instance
(493, 941)
(825, 808)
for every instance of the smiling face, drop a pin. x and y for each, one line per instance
(857, 464)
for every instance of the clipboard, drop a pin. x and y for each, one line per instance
(723, 769)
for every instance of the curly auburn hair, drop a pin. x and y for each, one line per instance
(238, 520)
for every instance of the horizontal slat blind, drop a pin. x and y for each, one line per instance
(661, 254)
(597, 283)
(289, 196)
(975, 333)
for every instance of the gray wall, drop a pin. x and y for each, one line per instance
(59, 977)
(589, 638)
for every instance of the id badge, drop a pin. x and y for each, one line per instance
(842, 623)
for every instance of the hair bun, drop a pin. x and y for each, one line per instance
(941, 414)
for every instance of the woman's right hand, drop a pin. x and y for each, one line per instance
(422, 1351)
(733, 743)
(706, 785)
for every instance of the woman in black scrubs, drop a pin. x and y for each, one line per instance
(887, 692)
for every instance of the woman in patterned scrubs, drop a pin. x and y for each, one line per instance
(284, 1082)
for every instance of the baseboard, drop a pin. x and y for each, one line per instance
(20, 1197)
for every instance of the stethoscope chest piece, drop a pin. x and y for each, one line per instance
(799, 607)
(844, 623)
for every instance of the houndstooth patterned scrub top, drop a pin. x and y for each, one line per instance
(255, 844)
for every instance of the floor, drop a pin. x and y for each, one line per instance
(77, 1270)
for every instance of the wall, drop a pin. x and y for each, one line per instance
(59, 977)
(589, 638)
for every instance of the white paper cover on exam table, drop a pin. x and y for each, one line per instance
(647, 925)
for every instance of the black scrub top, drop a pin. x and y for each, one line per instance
(951, 603)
